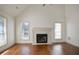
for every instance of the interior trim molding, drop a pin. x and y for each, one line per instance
(72, 44)
(7, 48)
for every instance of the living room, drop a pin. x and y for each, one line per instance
(27, 28)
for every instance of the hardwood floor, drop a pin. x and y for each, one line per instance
(54, 49)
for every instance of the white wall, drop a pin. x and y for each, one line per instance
(72, 17)
(39, 16)
(10, 31)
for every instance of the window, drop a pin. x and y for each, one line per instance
(3, 39)
(58, 30)
(25, 31)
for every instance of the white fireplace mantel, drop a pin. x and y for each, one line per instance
(42, 31)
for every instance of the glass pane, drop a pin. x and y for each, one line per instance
(57, 30)
(3, 40)
(25, 31)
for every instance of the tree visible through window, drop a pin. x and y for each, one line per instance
(25, 31)
(3, 40)
(57, 30)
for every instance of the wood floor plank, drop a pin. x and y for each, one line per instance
(54, 49)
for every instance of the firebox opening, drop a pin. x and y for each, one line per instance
(41, 38)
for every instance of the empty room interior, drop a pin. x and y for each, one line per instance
(39, 29)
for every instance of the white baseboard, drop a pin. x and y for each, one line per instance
(6, 48)
(72, 43)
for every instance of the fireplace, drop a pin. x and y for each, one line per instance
(41, 38)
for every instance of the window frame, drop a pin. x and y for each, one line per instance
(28, 31)
(6, 34)
(61, 30)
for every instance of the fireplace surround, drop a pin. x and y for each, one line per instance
(41, 36)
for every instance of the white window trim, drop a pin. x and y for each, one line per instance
(5, 29)
(28, 31)
(61, 30)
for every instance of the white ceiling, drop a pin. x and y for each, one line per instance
(13, 9)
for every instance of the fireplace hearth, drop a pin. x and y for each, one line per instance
(41, 38)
